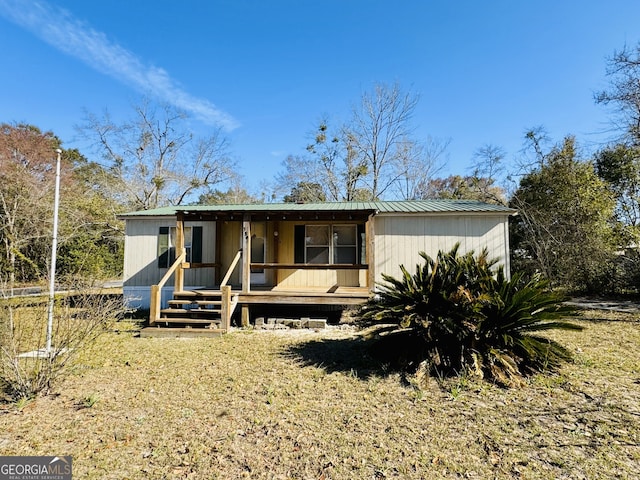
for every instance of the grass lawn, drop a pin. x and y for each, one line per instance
(313, 405)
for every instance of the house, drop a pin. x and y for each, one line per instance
(195, 265)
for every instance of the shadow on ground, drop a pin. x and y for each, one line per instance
(361, 356)
(606, 310)
(353, 355)
(610, 305)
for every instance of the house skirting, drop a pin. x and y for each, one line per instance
(139, 298)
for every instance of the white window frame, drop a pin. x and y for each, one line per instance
(332, 246)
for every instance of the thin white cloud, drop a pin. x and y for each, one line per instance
(68, 34)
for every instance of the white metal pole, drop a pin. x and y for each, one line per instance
(54, 248)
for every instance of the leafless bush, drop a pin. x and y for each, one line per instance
(27, 367)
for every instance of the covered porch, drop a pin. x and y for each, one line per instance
(287, 255)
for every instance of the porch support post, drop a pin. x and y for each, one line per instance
(244, 319)
(218, 253)
(225, 307)
(179, 275)
(246, 266)
(370, 234)
(246, 253)
(154, 313)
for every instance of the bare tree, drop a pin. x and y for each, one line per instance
(334, 163)
(327, 150)
(536, 140)
(235, 194)
(156, 158)
(417, 164)
(488, 171)
(469, 187)
(372, 155)
(380, 131)
(302, 175)
(623, 94)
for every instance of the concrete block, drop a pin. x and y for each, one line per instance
(317, 323)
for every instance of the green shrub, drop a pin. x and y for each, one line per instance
(459, 315)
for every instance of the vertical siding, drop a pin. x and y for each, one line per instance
(319, 278)
(308, 278)
(230, 243)
(141, 250)
(399, 239)
(204, 277)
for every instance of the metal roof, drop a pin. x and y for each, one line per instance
(388, 207)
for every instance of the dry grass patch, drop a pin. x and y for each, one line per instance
(32, 358)
(315, 406)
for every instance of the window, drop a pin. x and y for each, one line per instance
(345, 245)
(167, 242)
(317, 245)
(329, 244)
(165, 253)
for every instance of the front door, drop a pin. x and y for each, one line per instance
(258, 251)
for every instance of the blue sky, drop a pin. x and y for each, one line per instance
(267, 70)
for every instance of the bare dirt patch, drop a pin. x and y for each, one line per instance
(314, 405)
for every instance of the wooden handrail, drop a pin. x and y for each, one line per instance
(231, 268)
(311, 266)
(200, 265)
(181, 258)
(156, 290)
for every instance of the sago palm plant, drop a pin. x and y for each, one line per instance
(458, 314)
(507, 341)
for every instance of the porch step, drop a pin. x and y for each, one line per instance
(194, 308)
(191, 321)
(206, 310)
(197, 306)
(173, 332)
(170, 312)
(180, 302)
(185, 293)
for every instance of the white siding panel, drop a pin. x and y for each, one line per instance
(141, 253)
(399, 239)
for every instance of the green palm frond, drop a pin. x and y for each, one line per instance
(469, 315)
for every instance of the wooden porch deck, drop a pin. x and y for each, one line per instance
(308, 296)
(210, 310)
(213, 308)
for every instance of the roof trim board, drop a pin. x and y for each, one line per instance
(381, 207)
